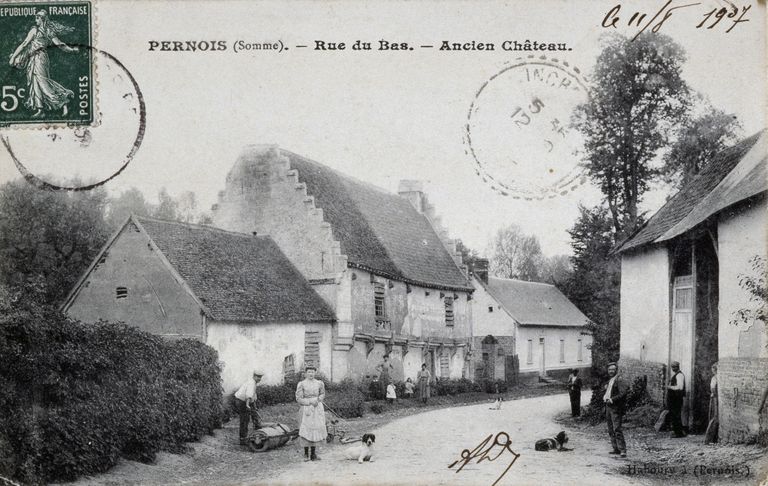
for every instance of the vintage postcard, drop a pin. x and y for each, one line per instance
(383, 243)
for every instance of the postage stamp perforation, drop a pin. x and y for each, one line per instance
(48, 29)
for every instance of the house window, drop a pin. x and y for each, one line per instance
(490, 308)
(378, 301)
(121, 292)
(449, 311)
(562, 350)
(289, 367)
(529, 359)
(578, 352)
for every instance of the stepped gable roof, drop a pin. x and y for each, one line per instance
(237, 277)
(534, 303)
(682, 204)
(379, 231)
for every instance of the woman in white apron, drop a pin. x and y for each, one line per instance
(310, 394)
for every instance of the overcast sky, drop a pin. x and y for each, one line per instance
(378, 116)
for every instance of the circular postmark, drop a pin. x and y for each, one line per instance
(518, 129)
(81, 157)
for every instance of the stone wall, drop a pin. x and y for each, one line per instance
(654, 373)
(499, 362)
(741, 384)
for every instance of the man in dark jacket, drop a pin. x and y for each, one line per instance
(574, 392)
(614, 398)
(675, 398)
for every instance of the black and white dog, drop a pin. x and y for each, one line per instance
(362, 451)
(555, 443)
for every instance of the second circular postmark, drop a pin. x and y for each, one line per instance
(518, 128)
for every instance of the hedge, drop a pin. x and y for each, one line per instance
(77, 397)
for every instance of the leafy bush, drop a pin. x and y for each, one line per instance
(345, 398)
(77, 397)
(454, 386)
(377, 407)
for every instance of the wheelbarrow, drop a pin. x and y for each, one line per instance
(270, 436)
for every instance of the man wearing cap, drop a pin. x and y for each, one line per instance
(614, 398)
(245, 400)
(675, 396)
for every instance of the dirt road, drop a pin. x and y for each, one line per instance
(419, 448)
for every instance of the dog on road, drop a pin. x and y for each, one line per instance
(362, 451)
(555, 443)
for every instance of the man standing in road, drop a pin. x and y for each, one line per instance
(245, 400)
(614, 398)
(675, 396)
(574, 392)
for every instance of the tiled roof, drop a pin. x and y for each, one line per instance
(533, 303)
(237, 277)
(378, 230)
(682, 203)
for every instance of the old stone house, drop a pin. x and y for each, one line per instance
(680, 291)
(377, 258)
(524, 331)
(236, 292)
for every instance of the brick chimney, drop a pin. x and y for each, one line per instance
(479, 268)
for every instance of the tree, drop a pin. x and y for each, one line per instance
(48, 238)
(697, 141)
(129, 202)
(167, 207)
(515, 254)
(594, 284)
(637, 97)
(186, 207)
(556, 270)
(755, 286)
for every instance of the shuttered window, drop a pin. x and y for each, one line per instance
(529, 359)
(579, 355)
(449, 311)
(312, 349)
(289, 367)
(444, 365)
(562, 350)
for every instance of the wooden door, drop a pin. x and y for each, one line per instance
(681, 346)
(542, 358)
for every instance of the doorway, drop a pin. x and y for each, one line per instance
(542, 358)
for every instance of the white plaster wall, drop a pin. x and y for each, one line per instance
(741, 236)
(412, 363)
(243, 347)
(552, 337)
(497, 323)
(645, 305)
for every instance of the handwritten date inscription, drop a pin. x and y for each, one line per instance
(732, 15)
(485, 452)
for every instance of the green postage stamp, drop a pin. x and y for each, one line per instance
(46, 63)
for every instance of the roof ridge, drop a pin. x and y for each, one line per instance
(198, 226)
(522, 281)
(340, 174)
